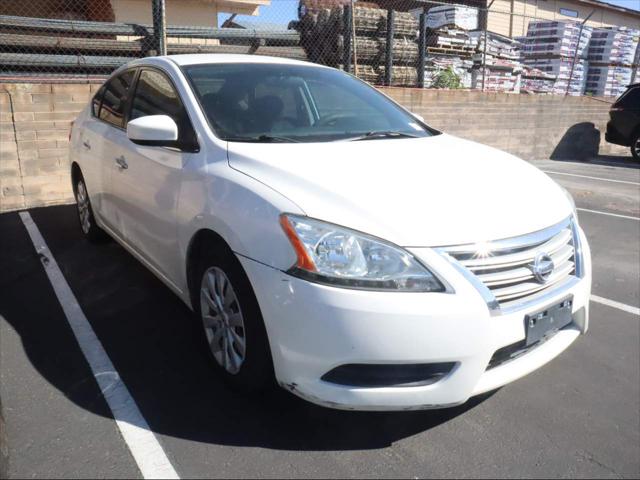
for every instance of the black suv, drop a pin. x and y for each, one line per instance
(624, 126)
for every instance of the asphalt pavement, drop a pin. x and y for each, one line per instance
(579, 416)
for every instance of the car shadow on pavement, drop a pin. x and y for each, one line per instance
(581, 144)
(156, 347)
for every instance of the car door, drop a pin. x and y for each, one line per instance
(147, 182)
(102, 137)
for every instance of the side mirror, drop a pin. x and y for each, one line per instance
(419, 117)
(153, 130)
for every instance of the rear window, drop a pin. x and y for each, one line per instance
(629, 99)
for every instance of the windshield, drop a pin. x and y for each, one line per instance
(296, 103)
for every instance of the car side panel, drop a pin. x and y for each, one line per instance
(243, 211)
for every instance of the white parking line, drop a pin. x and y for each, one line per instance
(592, 178)
(612, 303)
(143, 444)
(609, 214)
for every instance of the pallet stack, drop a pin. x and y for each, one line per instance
(536, 81)
(449, 45)
(612, 57)
(500, 65)
(323, 37)
(551, 46)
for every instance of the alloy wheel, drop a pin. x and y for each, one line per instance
(83, 207)
(636, 147)
(222, 320)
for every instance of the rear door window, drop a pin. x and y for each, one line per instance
(115, 97)
(97, 100)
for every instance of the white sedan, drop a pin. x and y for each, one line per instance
(325, 237)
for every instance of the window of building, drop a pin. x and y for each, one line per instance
(568, 13)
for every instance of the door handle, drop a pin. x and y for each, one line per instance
(87, 145)
(122, 163)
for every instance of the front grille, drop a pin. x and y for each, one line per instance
(506, 267)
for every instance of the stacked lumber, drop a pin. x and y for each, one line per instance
(612, 57)
(436, 64)
(498, 62)
(373, 50)
(551, 46)
(560, 68)
(449, 46)
(459, 16)
(323, 32)
(450, 39)
(536, 81)
(400, 75)
(608, 80)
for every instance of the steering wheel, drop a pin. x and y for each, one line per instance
(332, 119)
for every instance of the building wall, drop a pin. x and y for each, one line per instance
(501, 20)
(35, 121)
(179, 12)
(185, 12)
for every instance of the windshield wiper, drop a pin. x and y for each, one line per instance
(263, 139)
(382, 134)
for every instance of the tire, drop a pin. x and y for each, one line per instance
(635, 146)
(237, 341)
(88, 225)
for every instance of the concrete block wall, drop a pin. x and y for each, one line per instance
(529, 126)
(34, 139)
(35, 120)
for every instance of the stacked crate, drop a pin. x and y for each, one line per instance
(536, 81)
(323, 36)
(551, 46)
(449, 45)
(612, 57)
(499, 63)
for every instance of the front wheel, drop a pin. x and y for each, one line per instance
(232, 322)
(635, 146)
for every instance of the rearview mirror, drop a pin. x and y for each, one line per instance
(153, 130)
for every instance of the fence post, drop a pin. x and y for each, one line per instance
(422, 47)
(347, 34)
(159, 26)
(636, 64)
(484, 51)
(575, 56)
(388, 72)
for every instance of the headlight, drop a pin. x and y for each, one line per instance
(341, 257)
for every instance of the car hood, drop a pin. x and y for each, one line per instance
(431, 191)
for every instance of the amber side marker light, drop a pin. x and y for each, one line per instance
(304, 260)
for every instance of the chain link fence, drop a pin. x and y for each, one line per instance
(462, 44)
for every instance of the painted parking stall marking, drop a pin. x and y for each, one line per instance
(141, 441)
(592, 178)
(617, 215)
(612, 303)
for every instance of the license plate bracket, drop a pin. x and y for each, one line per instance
(544, 322)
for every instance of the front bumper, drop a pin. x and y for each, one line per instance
(314, 328)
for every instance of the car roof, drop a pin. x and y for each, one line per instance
(205, 58)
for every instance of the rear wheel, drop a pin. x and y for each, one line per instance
(88, 224)
(635, 146)
(232, 323)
